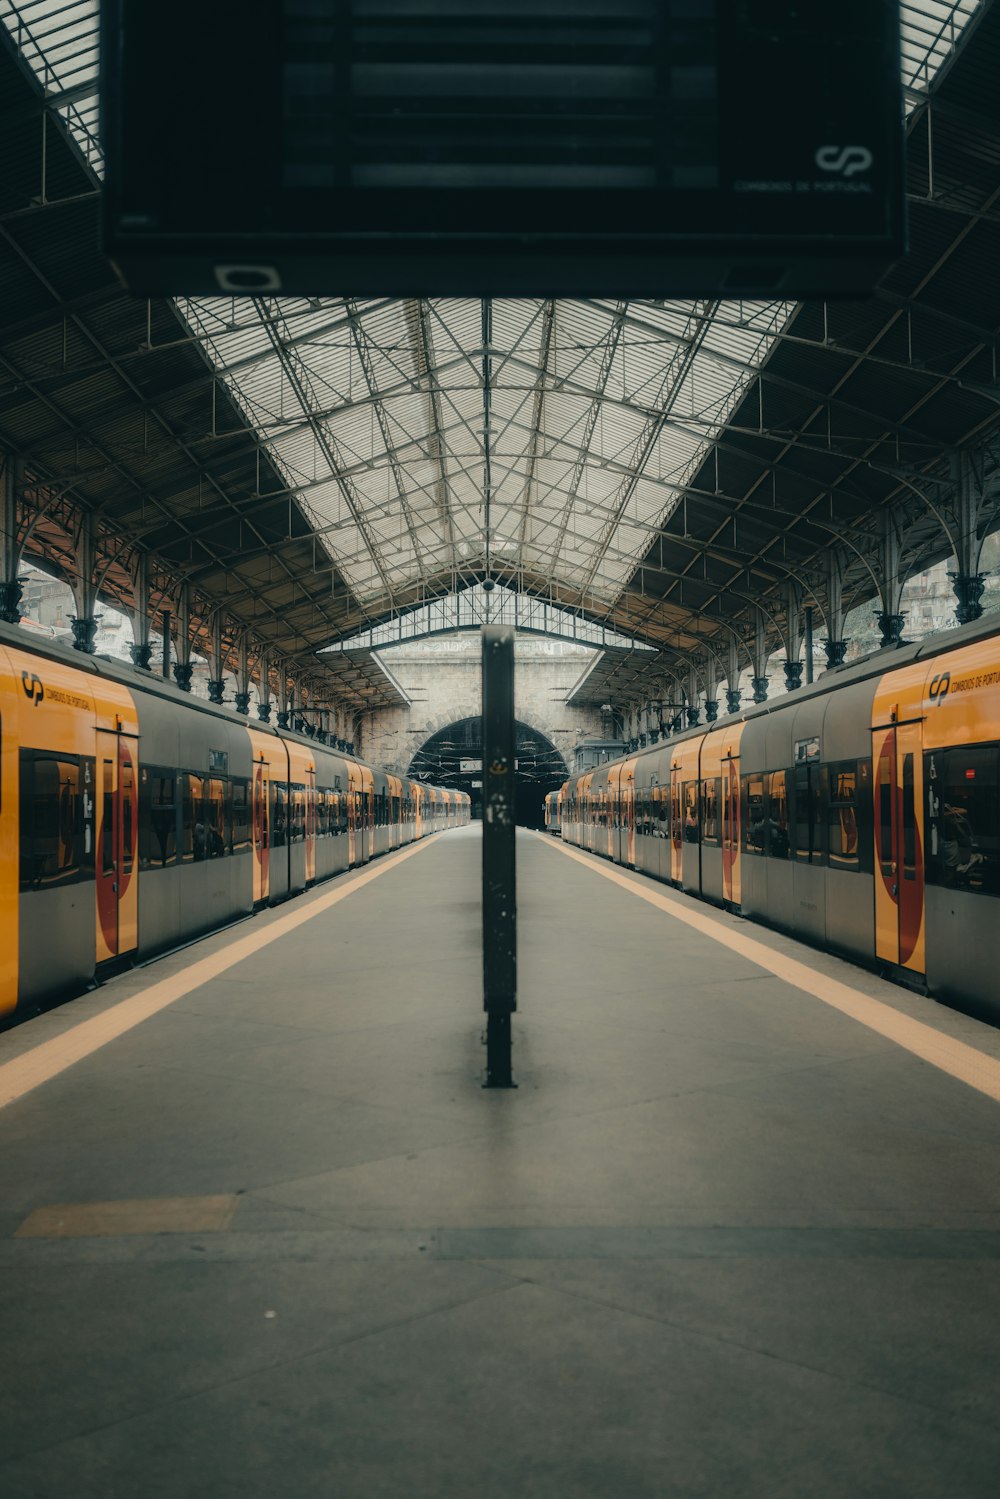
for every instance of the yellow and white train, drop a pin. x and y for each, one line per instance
(134, 817)
(861, 813)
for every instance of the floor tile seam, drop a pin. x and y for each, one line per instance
(957, 1058)
(394, 1155)
(186, 1069)
(274, 1365)
(576, 1293)
(659, 1097)
(78, 1252)
(296, 1029)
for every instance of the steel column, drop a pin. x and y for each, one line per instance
(499, 873)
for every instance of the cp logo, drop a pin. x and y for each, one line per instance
(844, 160)
(939, 687)
(33, 688)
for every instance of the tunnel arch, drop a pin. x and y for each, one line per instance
(453, 756)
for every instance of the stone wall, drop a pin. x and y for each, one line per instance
(442, 678)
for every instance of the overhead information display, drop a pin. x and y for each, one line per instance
(504, 95)
(500, 146)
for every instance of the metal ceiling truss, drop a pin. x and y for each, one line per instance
(315, 466)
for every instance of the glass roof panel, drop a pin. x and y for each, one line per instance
(476, 606)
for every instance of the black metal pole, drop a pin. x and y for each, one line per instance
(809, 643)
(499, 882)
(166, 642)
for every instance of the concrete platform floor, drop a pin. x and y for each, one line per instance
(722, 1240)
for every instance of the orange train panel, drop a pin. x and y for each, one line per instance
(627, 797)
(611, 803)
(897, 776)
(395, 822)
(720, 760)
(11, 690)
(354, 818)
(270, 763)
(368, 809)
(950, 699)
(302, 804)
(117, 818)
(684, 775)
(58, 708)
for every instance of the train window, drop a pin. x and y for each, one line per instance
(909, 821)
(963, 805)
(775, 829)
(278, 814)
(214, 817)
(691, 812)
(157, 817)
(51, 820)
(108, 818)
(663, 806)
(193, 840)
(711, 797)
(810, 814)
(128, 828)
(676, 822)
(885, 793)
(240, 813)
(866, 852)
(800, 809)
(754, 814)
(297, 811)
(843, 817)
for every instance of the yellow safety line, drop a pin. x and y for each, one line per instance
(47, 1060)
(959, 1060)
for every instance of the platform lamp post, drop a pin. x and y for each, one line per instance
(499, 873)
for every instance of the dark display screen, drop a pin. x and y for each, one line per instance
(322, 138)
(542, 94)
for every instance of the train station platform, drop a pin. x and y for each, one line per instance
(262, 1232)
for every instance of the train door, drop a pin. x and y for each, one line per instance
(612, 848)
(310, 825)
(117, 824)
(261, 832)
(367, 813)
(897, 760)
(626, 792)
(353, 803)
(731, 882)
(676, 824)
